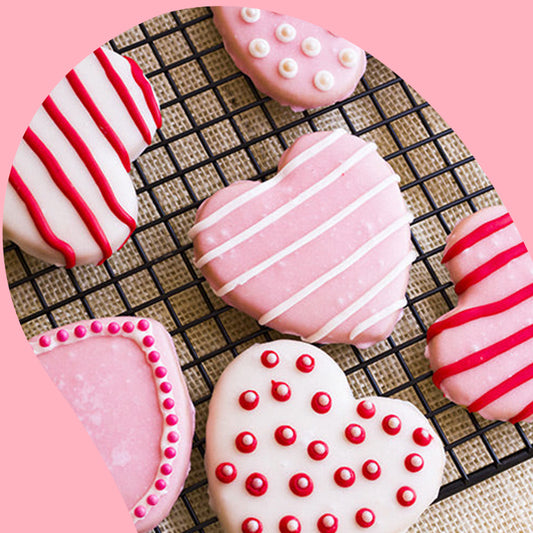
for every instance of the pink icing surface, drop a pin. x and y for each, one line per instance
(300, 91)
(454, 343)
(323, 253)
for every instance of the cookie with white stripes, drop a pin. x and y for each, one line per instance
(481, 352)
(322, 250)
(289, 449)
(69, 199)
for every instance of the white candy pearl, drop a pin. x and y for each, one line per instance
(348, 57)
(324, 80)
(285, 33)
(250, 14)
(311, 47)
(259, 48)
(288, 68)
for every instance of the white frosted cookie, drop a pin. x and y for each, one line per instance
(69, 199)
(289, 449)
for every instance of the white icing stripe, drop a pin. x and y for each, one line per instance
(377, 317)
(289, 206)
(341, 267)
(341, 215)
(300, 159)
(337, 320)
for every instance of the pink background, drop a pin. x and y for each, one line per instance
(470, 60)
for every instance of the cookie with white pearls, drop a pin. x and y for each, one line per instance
(289, 449)
(122, 378)
(295, 62)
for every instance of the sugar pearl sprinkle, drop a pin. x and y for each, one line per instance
(311, 46)
(366, 409)
(422, 437)
(285, 435)
(391, 425)
(290, 524)
(269, 359)
(226, 472)
(301, 485)
(324, 80)
(246, 442)
(249, 400)
(318, 450)
(355, 433)
(288, 68)
(406, 496)
(252, 525)
(285, 33)
(365, 518)
(328, 523)
(280, 391)
(256, 484)
(348, 57)
(139, 331)
(250, 14)
(414, 462)
(371, 470)
(305, 363)
(259, 48)
(321, 402)
(344, 477)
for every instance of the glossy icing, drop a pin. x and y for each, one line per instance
(311, 251)
(69, 199)
(121, 377)
(481, 351)
(316, 477)
(305, 67)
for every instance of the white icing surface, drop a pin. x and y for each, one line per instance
(278, 463)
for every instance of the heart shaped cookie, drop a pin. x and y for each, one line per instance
(289, 450)
(322, 250)
(295, 62)
(122, 378)
(481, 352)
(69, 199)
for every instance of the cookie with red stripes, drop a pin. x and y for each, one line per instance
(289, 449)
(69, 199)
(322, 250)
(122, 378)
(481, 352)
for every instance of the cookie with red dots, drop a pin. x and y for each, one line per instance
(289, 449)
(122, 378)
(293, 61)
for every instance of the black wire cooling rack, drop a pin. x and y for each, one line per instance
(205, 99)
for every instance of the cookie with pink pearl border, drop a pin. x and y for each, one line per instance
(289, 449)
(121, 376)
(295, 62)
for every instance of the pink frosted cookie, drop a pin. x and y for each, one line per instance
(69, 199)
(322, 250)
(121, 377)
(295, 62)
(289, 450)
(481, 352)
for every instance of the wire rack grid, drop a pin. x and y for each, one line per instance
(217, 129)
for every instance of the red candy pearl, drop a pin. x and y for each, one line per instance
(226, 472)
(366, 409)
(80, 331)
(301, 485)
(249, 400)
(371, 470)
(422, 437)
(344, 477)
(391, 425)
(269, 359)
(321, 402)
(256, 484)
(280, 391)
(246, 442)
(290, 524)
(355, 433)
(365, 518)
(327, 523)
(414, 462)
(285, 435)
(318, 450)
(252, 525)
(305, 363)
(406, 496)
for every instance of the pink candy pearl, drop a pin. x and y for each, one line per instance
(143, 324)
(113, 328)
(153, 357)
(171, 420)
(96, 327)
(140, 511)
(62, 335)
(160, 484)
(160, 371)
(152, 499)
(80, 331)
(128, 327)
(168, 403)
(44, 341)
(173, 436)
(148, 341)
(166, 469)
(170, 453)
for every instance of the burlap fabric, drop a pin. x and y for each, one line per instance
(217, 129)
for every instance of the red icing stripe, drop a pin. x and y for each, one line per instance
(124, 94)
(480, 233)
(491, 266)
(523, 414)
(99, 119)
(521, 377)
(64, 184)
(90, 162)
(494, 308)
(146, 88)
(481, 356)
(40, 220)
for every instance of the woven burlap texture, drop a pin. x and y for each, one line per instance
(214, 132)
